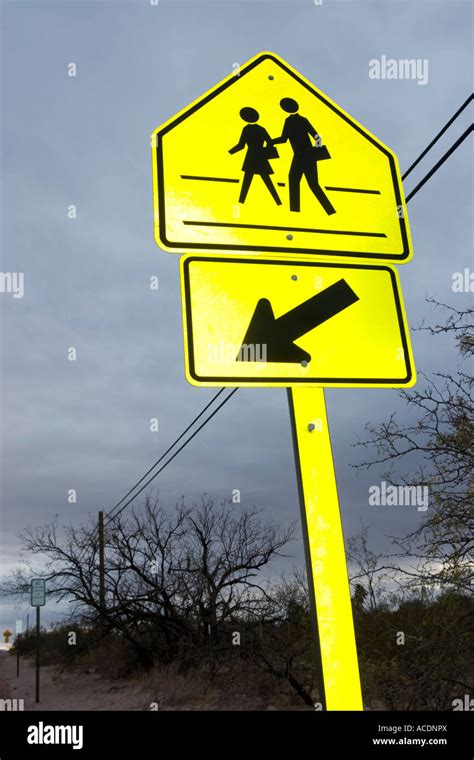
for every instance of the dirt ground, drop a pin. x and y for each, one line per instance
(69, 691)
(81, 689)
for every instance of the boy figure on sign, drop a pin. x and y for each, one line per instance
(297, 129)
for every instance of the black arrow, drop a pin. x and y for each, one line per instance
(277, 335)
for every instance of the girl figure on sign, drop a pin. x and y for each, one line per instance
(259, 150)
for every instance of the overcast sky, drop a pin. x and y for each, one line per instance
(84, 425)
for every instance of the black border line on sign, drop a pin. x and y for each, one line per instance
(244, 381)
(214, 246)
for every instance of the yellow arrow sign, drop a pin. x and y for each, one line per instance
(288, 322)
(266, 162)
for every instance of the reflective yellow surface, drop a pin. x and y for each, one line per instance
(326, 549)
(197, 181)
(366, 344)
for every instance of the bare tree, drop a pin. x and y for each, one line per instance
(440, 439)
(172, 581)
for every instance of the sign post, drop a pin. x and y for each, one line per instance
(285, 302)
(38, 600)
(325, 556)
(18, 630)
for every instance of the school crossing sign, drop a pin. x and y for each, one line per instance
(291, 214)
(265, 161)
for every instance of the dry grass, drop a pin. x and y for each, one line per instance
(237, 686)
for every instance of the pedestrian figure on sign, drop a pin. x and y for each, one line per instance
(297, 129)
(259, 150)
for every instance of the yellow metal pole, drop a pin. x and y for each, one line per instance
(326, 561)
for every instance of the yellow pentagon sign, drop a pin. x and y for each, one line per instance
(266, 162)
(287, 322)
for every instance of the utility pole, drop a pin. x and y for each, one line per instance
(101, 565)
(18, 630)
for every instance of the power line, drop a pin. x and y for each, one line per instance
(160, 459)
(168, 449)
(208, 419)
(440, 133)
(440, 162)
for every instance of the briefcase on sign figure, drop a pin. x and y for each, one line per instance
(271, 152)
(320, 153)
